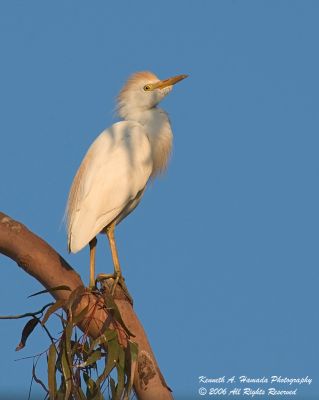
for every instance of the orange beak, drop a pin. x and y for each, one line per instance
(168, 82)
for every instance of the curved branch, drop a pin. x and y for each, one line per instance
(42, 262)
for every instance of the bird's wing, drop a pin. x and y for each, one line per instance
(115, 169)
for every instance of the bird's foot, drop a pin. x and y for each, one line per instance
(118, 279)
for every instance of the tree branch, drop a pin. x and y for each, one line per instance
(42, 262)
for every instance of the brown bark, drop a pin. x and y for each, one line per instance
(42, 262)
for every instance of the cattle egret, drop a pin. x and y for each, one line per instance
(113, 175)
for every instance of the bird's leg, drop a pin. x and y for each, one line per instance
(117, 276)
(115, 257)
(92, 245)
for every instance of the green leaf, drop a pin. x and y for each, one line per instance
(67, 337)
(113, 388)
(58, 304)
(80, 394)
(51, 372)
(62, 287)
(86, 347)
(113, 349)
(92, 389)
(60, 394)
(89, 382)
(66, 374)
(27, 330)
(93, 358)
(78, 318)
(108, 335)
(120, 373)
(133, 349)
(74, 297)
(76, 349)
(111, 306)
(130, 366)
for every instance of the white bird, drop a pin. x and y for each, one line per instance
(113, 175)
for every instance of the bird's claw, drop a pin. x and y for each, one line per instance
(118, 280)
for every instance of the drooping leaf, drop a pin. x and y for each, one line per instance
(51, 372)
(61, 287)
(60, 394)
(67, 338)
(133, 349)
(92, 389)
(107, 335)
(80, 394)
(120, 373)
(113, 349)
(66, 374)
(74, 297)
(58, 304)
(27, 330)
(113, 388)
(93, 358)
(79, 317)
(112, 307)
(77, 348)
(86, 348)
(130, 366)
(89, 382)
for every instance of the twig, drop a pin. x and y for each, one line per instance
(29, 314)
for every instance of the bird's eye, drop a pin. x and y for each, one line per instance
(147, 87)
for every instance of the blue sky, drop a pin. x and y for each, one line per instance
(221, 256)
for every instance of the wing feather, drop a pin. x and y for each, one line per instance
(115, 169)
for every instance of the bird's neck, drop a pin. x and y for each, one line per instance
(159, 132)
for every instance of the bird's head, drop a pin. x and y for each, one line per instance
(143, 91)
